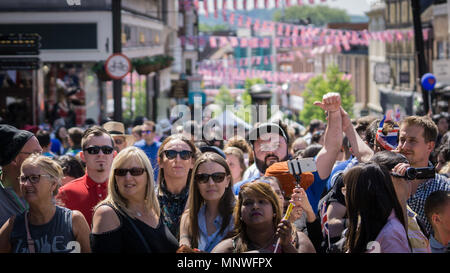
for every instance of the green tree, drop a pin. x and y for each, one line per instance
(319, 86)
(224, 97)
(320, 15)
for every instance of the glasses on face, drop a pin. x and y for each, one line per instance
(203, 178)
(133, 171)
(147, 132)
(34, 178)
(93, 150)
(171, 154)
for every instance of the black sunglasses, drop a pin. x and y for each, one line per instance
(93, 150)
(133, 171)
(171, 154)
(202, 178)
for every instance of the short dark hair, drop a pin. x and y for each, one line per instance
(75, 134)
(312, 150)
(71, 166)
(96, 131)
(43, 137)
(435, 203)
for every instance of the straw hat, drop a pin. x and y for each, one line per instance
(115, 128)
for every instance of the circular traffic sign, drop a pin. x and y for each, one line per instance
(117, 66)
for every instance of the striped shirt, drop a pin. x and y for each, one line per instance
(417, 240)
(417, 200)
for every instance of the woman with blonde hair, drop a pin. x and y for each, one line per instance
(208, 216)
(129, 219)
(44, 227)
(258, 224)
(236, 162)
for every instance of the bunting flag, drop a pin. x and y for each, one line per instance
(266, 4)
(255, 5)
(244, 4)
(288, 3)
(196, 5)
(299, 2)
(205, 7)
(235, 7)
(215, 9)
(276, 3)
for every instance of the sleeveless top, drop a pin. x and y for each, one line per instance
(125, 239)
(55, 236)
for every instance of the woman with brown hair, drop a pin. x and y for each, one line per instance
(259, 224)
(236, 162)
(209, 212)
(176, 158)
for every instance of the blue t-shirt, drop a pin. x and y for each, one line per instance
(339, 167)
(56, 146)
(152, 153)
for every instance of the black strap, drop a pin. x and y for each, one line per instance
(138, 232)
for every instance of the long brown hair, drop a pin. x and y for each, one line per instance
(370, 198)
(240, 228)
(195, 199)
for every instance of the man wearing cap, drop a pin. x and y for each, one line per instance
(117, 131)
(15, 146)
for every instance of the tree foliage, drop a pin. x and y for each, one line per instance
(319, 86)
(224, 97)
(244, 110)
(320, 15)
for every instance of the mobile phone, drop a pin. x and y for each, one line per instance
(302, 165)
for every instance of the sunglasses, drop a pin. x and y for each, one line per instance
(203, 178)
(171, 154)
(147, 132)
(133, 171)
(34, 178)
(93, 150)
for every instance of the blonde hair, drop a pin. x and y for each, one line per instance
(48, 166)
(114, 197)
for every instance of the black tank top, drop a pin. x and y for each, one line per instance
(54, 237)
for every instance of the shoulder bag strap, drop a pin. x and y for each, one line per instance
(138, 232)
(30, 240)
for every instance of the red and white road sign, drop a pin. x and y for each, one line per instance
(117, 66)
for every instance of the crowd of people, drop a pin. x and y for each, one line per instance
(378, 185)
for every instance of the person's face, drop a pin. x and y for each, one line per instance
(440, 162)
(412, 145)
(176, 167)
(299, 146)
(120, 143)
(269, 148)
(279, 192)
(100, 162)
(129, 186)
(256, 210)
(148, 133)
(212, 190)
(31, 146)
(235, 167)
(442, 126)
(63, 133)
(42, 188)
(442, 220)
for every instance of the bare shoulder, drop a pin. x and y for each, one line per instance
(105, 219)
(225, 246)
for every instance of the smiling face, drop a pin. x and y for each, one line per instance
(212, 190)
(129, 186)
(412, 145)
(40, 191)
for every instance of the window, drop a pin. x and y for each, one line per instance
(440, 52)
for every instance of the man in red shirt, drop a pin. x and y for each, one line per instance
(85, 192)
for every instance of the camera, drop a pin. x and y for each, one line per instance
(419, 173)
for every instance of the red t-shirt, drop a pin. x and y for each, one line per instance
(82, 194)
